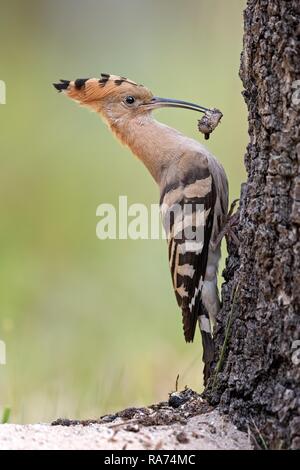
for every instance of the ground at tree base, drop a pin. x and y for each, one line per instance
(185, 422)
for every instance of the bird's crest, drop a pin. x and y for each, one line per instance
(86, 90)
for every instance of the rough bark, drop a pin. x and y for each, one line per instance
(257, 371)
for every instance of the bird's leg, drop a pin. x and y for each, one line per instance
(232, 222)
(227, 231)
(232, 207)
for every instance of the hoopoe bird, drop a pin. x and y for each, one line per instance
(187, 175)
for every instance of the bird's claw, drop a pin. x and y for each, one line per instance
(232, 222)
(232, 207)
(228, 231)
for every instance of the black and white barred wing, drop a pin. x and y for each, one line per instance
(187, 214)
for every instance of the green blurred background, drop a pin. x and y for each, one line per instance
(92, 326)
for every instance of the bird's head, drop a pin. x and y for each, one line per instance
(117, 98)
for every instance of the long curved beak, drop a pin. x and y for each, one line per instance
(158, 102)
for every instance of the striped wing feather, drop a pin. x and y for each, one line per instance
(195, 195)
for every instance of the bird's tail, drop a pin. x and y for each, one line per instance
(207, 343)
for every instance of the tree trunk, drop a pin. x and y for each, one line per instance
(257, 371)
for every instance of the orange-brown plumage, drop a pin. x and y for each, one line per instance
(94, 92)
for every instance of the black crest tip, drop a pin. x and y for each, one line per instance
(79, 83)
(61, 86)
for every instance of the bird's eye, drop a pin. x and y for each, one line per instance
(129, 100)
